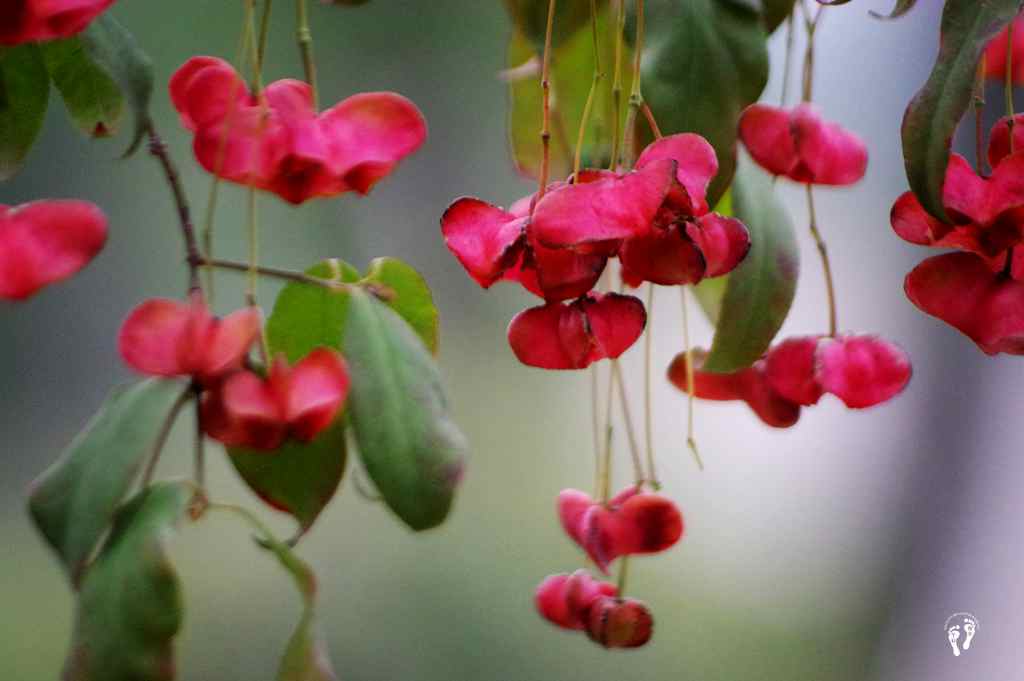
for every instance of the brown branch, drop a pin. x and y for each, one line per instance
(158, 148)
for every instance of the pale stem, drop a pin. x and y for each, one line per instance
(825, 262)
(648, 410)
(634, 447)
(162, 435)
(545, 84)
(691, 389)
(305, 39)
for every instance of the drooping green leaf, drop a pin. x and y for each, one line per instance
(775, 12)
(299, 478)
(306, 657)
(24, 91)
(93, 99)
(130, 607)
(934, 112)
(74, 501)
(572, 69)
(113, 49)
(760, 291)
(704, 62)
(408, 295)
(531, 19)
(399, 414)
(307, 317)
(901, 8)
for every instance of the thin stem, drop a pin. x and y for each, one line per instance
(162, 435)
(810, 24)
(788, 66)
(287, 275)
(305, 39)
(577, 159)
(1008, 85)
(605, 482)
(648, 411)
(634, 447)
(261, 49)
(595, 410)
(253, 241)
(691, 388)
(545, 84)
(825, 262)
(199, 444)
(158, 149)
(979, 112)
(636, 99)
(620, 29)
(623, 577)
(649, 115)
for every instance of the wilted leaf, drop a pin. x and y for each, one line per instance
(74, 501)
(93, 99)
(399, 414)
(24, 91)
(299, 478)
(129, 609)
(113, 49)
(934, 112)
(704, 62)
(760, 291)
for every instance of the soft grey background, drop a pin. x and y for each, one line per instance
(833, 551)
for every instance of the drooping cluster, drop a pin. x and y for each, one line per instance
(32, 21)
(862, 371)
(44, 242)
(654, 219)
(278, 142)
(979, 289)
(631, 523)
(169, 338)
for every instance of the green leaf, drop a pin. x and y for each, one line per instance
(531, 19)
(24, 91)
(74, 501)
(399, 414)
(298, 478)
(572, 69)
(93, 99)
(704, 62)
(409, 295)
(901, 8)
(130, 606)
(113, 49)
(934, 112)
(308, 317)
(775, 12)
(305, 658)
(760, 291)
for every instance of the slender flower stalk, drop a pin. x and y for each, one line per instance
(545, 84)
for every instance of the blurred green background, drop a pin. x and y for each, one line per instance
(830, 552)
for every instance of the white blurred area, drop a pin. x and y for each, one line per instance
(832, 551)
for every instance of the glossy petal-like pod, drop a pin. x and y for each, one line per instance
(667, 257)
(575, 335)
(696, 166)
(862, 371)
(619, 622)
(799, 144)
(723, 241)
(44, 242)
(32, 21)
(749, 385)
(486, 239)
(790, 370)
(962, 290)
(163, 337)
(608, 209)
(565, 600)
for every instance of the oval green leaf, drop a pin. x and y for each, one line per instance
(74, 501)
(411, 449)
(24, 91)
(934, 112)
(112, 48)
(759, 292)
(704, 62)
(91, 96)
(299, 478)
(408, 295)
(130, 606)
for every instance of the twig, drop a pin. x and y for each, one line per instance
(158, 149)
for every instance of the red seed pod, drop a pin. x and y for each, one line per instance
(619, 623)
(565, 600)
